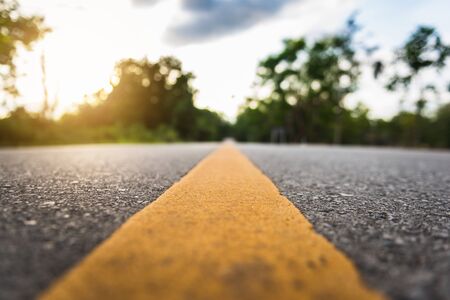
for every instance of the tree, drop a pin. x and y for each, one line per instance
(441, 126)
(308, 81)
(152, 94)
(423, 52)
(15, 31)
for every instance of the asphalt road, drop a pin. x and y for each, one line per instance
(58, 203)
(388, 210)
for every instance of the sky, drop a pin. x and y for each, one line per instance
(220, 41)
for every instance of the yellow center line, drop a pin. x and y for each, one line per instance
(222, 232)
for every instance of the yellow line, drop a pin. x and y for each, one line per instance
(222, 232)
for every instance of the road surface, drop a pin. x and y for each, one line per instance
(387, 210)
(57, 203)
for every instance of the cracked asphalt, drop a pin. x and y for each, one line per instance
(58, 203)
(387, 209)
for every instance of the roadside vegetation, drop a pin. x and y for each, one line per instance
(309, 81)
(306, 87)
(149, 102)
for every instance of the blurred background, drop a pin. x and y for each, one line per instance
(280, 71)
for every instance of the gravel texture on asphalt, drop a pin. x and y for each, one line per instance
(387, 209)
(58, 203)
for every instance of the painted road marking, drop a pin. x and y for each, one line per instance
(222, 232)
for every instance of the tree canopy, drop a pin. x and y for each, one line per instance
(16, 31)
(152, 95)
(305, 86)
(308, 81)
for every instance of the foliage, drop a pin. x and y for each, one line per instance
(424, 49)
(422, 52)
(308, 82)
(23, 128)
(151, 95)
(149, 102)
(15, 31)
(441, 127)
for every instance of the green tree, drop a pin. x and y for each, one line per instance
(357, 128)
(308, 81)
(153, 95)
(441, 127)
(16, 31)
(424, 51)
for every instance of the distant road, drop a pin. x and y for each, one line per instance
(388, 210)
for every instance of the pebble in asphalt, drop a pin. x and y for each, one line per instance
(57, 203)
(387, 209)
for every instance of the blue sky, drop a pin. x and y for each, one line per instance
(221, 41)
(392, 21)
